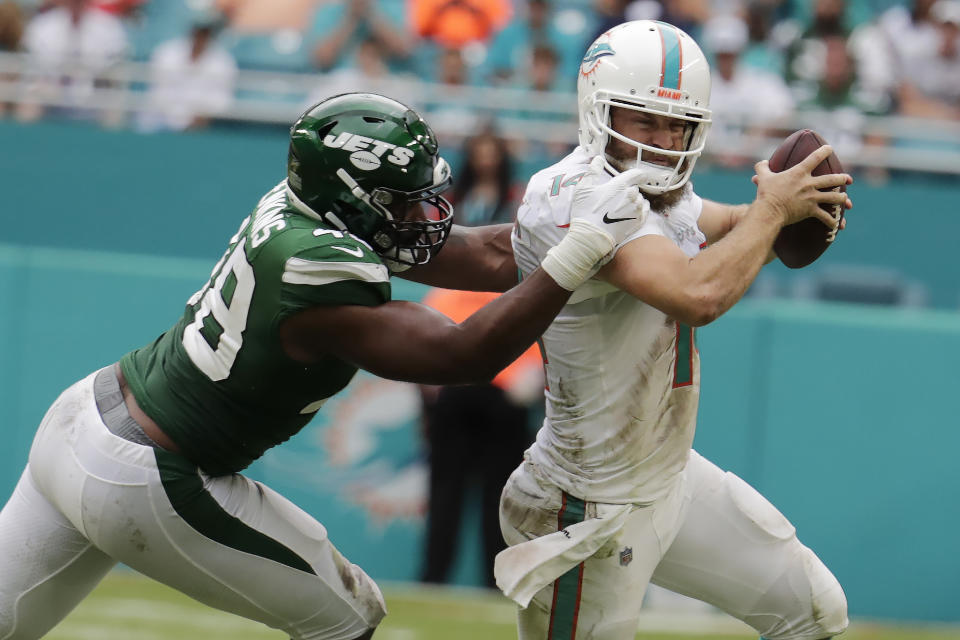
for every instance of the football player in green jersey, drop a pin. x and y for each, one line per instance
(139, 462)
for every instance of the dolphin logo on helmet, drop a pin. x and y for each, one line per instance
(594, 54)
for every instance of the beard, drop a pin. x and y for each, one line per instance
(659, 202)
(662, 202)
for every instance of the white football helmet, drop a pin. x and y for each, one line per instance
(653, 67)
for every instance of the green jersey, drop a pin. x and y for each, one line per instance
(219, 382)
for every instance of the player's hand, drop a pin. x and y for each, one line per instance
(795, 194)
(615, 206)
(605, 212)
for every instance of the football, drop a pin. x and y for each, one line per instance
(799, 244)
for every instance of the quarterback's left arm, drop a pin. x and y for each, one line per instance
(472, 259)
(718, 219)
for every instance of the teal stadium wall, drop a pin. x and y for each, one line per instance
(843, 416)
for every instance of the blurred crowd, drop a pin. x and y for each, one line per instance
(840, 60)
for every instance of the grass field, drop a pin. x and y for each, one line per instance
(128, 607)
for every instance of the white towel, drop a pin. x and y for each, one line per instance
(524, 569)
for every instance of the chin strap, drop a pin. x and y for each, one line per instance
(360, 194)
(393, 266)
(300, 205)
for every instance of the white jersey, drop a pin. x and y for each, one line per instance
(623, 379)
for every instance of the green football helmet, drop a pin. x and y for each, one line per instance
(371, 166)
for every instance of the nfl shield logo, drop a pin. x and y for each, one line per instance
(626, 556)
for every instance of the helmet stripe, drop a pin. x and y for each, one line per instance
(671, 56)
(679, 59)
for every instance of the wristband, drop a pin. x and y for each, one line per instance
(577, 257)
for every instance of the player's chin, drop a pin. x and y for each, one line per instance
(667, 199)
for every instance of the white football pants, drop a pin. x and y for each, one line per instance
(89, 499)
(713, 538)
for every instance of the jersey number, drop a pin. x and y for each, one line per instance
(559, 182)
(215, 336)
(683, 356)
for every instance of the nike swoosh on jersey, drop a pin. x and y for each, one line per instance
(609, 220)
(356, 251)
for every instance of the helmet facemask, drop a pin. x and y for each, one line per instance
(410, 226)
(660, 178)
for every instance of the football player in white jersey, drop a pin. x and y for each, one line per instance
(611, 496)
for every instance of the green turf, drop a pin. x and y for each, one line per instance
(128, 607)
